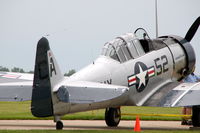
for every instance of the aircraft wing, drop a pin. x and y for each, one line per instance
(89, 92)
(182, 94)
(15, 86)
(185, 94)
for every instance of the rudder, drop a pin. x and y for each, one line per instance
(41, 105)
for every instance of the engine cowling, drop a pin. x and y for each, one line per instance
(183, 56)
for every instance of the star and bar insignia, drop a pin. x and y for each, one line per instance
(141, 76)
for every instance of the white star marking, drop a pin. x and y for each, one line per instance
(141, 76)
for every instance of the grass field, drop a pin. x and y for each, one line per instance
(21, 111)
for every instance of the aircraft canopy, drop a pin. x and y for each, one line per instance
(123, 48)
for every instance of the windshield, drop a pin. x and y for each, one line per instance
(109, 50)
(117, 50)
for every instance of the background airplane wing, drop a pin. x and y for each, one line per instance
(90, 92)
(186, 94)
(182, 94)
(15, 86)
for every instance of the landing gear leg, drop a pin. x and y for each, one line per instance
(196, 116)
(59, 124)
(112, 116)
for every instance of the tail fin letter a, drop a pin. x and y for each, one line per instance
(52, 67)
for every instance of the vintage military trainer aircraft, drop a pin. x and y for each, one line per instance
(132, 70)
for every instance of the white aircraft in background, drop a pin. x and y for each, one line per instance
(132, 70)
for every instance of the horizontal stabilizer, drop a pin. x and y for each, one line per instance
(89, 92)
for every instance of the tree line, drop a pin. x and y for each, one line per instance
(21, 70)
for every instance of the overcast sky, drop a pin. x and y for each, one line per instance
(78, 29)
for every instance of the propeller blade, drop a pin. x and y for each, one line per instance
(191, 32)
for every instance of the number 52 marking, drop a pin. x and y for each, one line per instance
(161, 67)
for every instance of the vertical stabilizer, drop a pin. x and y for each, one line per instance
(46, 76)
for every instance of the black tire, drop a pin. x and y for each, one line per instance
(196, 116)
(112, 116)
(59, 125)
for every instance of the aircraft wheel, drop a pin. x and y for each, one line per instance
(112, 116)
(196, 116)
(59, 125)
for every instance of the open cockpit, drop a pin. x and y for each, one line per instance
(130, 46)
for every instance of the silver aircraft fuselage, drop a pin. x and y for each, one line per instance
(143, 72)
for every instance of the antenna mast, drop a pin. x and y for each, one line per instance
(156, 17)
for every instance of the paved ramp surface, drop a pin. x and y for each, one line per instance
(88, 125)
